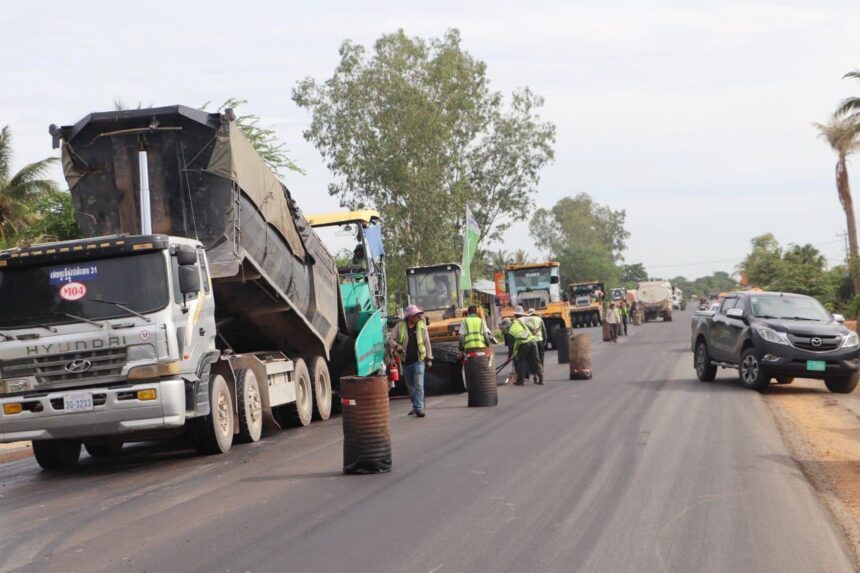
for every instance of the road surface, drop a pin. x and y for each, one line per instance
(640, 469)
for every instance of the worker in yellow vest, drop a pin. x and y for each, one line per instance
(474, 334)
(525, 349)
(411, 342)
(538, 328)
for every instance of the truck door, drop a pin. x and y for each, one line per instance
(721, 331)
(196, 338)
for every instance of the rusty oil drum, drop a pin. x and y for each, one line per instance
(562, 343)
(580, 357)
(366, 424)
(480, 379)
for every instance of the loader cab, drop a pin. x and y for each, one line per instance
(435, 287)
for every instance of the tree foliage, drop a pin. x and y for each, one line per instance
(633, 273)
(587, 238)
(413, 129)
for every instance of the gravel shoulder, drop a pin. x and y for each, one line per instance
(822, 431)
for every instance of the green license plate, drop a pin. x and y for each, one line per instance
(816, 365)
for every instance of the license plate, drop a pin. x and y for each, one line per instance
(78, 402)
(816, 365)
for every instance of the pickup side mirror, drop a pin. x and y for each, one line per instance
(839, 318)
(735, 313)
(189, 279)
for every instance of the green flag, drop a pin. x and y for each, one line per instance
(470, 245)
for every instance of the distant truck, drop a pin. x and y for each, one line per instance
(586, 303)
(655, 300)
(537, 286)
(678, 300)
(776, 336)
(202, 303)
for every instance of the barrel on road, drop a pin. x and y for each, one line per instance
(366, 425)
(580, 357)
(481, 379)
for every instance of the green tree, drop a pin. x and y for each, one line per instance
(19, 191)
(762, 264)
(841, 133)
(413, 129)
(520, 257)
(634, 273)
(54, 218)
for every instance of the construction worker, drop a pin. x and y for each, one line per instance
(474, 334)
(411, 342)
(525, 349)
(538, 328)
(613, 317)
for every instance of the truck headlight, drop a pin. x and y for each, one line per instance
(771, 335)
(17, 385)
(851, 340)
(137, 352)
(157, 370)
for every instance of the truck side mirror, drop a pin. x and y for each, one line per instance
(189, 279)
(186, 256)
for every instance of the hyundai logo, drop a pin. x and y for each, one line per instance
(78, 366)
(816, 341)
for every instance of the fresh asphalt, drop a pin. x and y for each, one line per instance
(642, 468)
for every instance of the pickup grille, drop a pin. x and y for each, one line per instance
(48, 370)
(805, 342)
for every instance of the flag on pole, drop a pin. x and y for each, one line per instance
(470, 245)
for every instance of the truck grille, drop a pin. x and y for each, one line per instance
(104, 365)
(535, 303)
(806, 342)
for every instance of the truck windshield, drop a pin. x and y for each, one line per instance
(434, 290)
(89, 289)
(788, 307)
(529, 280)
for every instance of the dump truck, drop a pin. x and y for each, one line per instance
(437, 290)
(536, 286)
(201, 302)
(655, 300)
(586, 303)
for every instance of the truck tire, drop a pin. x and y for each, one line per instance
(705, 371)
(301, 411)
(250, 402)
(322, 388)
(750, 372)
(104, 451)
(837, 385)
(784, 379)
(213, 433)
(667, 317)
(57, 454)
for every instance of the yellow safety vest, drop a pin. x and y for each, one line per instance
(474, 333)
(403, 338)
(521, 333)
(535, 323)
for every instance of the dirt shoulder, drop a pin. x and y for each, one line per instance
(823, 433)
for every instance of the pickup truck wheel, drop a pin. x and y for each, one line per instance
(57, 454)
(784, 379)
(104, 451)
(213, 433)
(835, 385)
(752, 375)
(322, 388)
(250, 405)
(704, 369)
(301, 411)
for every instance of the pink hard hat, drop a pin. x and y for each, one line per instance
(411, 310)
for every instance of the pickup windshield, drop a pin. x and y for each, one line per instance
(788, 307)
(48, 294)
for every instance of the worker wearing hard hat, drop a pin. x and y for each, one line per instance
(536, 325)
(474, 334)
(411, 342)
(525, 349)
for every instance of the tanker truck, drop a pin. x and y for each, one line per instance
(655, 300)
(201, 302)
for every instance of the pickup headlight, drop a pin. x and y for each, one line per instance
(770, 335)
(851, 340)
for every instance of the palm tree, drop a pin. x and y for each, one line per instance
(521, 257)
(18, 191)
(850, 107)
(499, 260)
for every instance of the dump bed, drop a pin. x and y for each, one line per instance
(275, 284)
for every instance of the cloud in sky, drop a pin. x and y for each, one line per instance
(692, 116)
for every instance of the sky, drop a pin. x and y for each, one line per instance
(693, 117)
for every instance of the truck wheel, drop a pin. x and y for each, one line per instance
(213, 433)
(57, 454)
(104, 451)
(250, 405)
(752, 375)
(835, 385)
(322, 388)
(301, 411)
(705, 371)
(667, 317)
(784, 379)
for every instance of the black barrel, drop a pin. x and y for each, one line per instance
(580, 357)
(366, 425)
(481, 381)
(561, 343)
